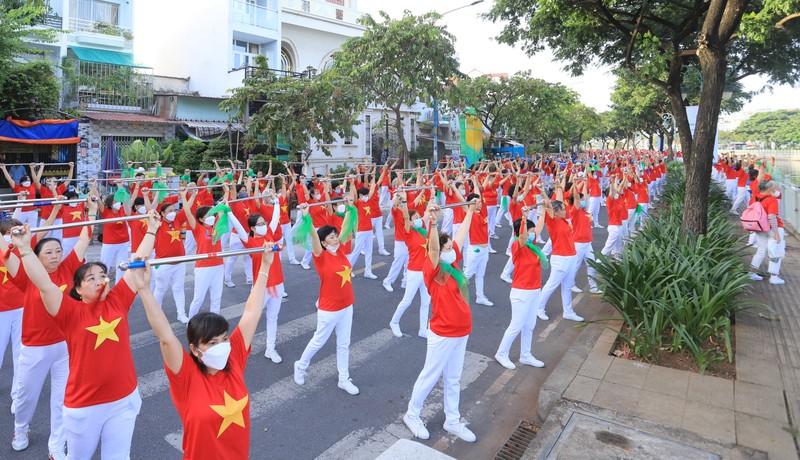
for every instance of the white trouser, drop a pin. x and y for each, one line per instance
(384, 197)
(389, 220)
(476, 266)
(508, 269)
(524, 303)
(399, 263)
(52, 233)
(67, 245)
(547, 249)
(594, 209)
(730, 188)
(11, 331)
(307, 256)
(363, 243)
(110, 425)
(34, 365)
(111, 255)
(171, 277)
(286, 229)
(444, 356)
(585, 252)
(464, 254)
(377, 225)
(28, 217)
(207, 279)
(237, 245)
(414, 282)
(272, 307)
(774, 267)
(189, 244)
(762, 238)
(447, 221)
(533, 214)
(492, 216)
(327, 322)
(741, 198)
(613, 242)
(562, 272)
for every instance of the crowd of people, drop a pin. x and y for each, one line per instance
(70, 313)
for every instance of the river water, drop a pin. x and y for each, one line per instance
(789, 168)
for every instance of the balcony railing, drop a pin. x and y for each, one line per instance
(92, 85)
(53, 21)
(254, 15)
(324, 9)
(99, 27)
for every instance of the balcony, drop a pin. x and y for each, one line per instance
(255, 15)
(101, 33)
(106, 85)
(324, 9)
(52, 21)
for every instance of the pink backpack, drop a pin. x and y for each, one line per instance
(754, 218)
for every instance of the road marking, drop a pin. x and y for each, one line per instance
(552, 326)
(155, 382)
(368, 443)
(374, 266)
(145, 338)
(320, 374)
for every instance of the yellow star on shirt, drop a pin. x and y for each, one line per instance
(346, 274)
(63, 287)
(231, 412)
(284, 209)
(144, 223)
(247, 212)
(104, 331)
(76, 215)
(4, 270)
(425, 245)
(367, 211)
(175, 235)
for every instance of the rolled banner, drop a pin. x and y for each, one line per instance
(194, 257)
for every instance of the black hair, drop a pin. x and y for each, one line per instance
(472, 196)
(252, 221)
(335, 184)
(165, 206)
(511, 189)
(363, 191)
(324, 231)
(201, 212)
(77, 278)
(71, 194)
(22, 179)
(138, 201)
(443, 239)
(40, 244)
(202, 328)
(529, 224)
(7, 224)
(239, 187)
(753, 173)
(557, 205)
(108, 201)
(411, 213)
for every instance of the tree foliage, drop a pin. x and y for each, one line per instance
(779, 126)
(295, 109)
(658, 41)
(397, 62)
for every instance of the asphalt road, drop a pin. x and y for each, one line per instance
(318, 419)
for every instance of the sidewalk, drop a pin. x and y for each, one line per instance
(600, 406)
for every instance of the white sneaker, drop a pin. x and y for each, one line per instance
(775, 279)
(507, 279)
(498, 225)
(417, 427)
(347, 385)
(285, 294)
(183, 319)
(57, 456)
(396, 330)
(20, 441)
(573, 317)
(492, 251)
(504, 361)
(13, 406)
(542, 315)
(370, 275)
(460, 429)
(384, 252)
(494, 237)
(402, 285)
(248, 282)
(423, 333)
(576, 289)
(305, 266)
(294, 262)
(230, 283)
(755, 277)
(508, 253)
(595, 291)
(274, 356)
(299, 376)
(484, 301)
(530, 361)
(598, 226)
(387, 286)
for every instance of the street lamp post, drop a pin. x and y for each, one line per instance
(436, 103)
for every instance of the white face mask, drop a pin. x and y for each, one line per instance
(448, 257)
(205, 180)
(364, 198)
(209, 220)
(317, 196)
(417, 223)
(216, 357)
(519, 198)
(7, 238)
(27, 183)
(116, 206)
(332, 249)
(73, 205)
(462, 192)
(170, 216)
(340, 209)
(141, 210)
(261, 230)
(776, 193)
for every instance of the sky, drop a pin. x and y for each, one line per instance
(477, 49)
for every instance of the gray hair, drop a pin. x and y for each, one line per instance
(557, 205)
(766, 185)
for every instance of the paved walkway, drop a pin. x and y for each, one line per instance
(606, 403)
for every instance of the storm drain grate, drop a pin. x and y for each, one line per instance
(518, 442)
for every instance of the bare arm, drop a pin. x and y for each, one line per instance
(171, 348)
(254, 305)
(51, 294)
(463, 231)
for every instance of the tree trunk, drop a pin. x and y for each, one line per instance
(402, 154)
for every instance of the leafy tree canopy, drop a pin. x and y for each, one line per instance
(780, 126)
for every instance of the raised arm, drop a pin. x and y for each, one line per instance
(255, 302)
(10, 181)
(51, 294)
(171, 348)
(463, 231)
(433, 235)
(186, 206)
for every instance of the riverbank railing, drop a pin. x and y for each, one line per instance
(790, 204)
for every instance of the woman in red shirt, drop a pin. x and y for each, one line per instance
(169, 244)
(101, 401)
(28, 214)
(116, 240)
(616, 209)
(335, 305)
(207, 383)
(769, 193)
(450, 327)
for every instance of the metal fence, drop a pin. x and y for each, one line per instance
(790, 204)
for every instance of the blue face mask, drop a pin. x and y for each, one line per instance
(531, 237)
(583, 204)
(417, 223)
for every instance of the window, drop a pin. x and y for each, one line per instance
(96, 11)
(287, 64)
(244, 53)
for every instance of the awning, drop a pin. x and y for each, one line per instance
(39, 132)
(129, 117)
(209, 128)
(105, 57)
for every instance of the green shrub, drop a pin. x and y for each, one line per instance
(677, 291)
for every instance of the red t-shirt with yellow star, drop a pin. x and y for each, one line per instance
(10, 295)
(69, 215)
(168, 237)
(451, 314)
(275, 273)
(366, 212)
(527, 268)
(335, 275)
(100, 360)
(479, 226)
(115, 232)
(560, 232)
(417, 250)
(38, 327)
(204, 238)
(138, 230)
(45, 192)
(214, 409)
